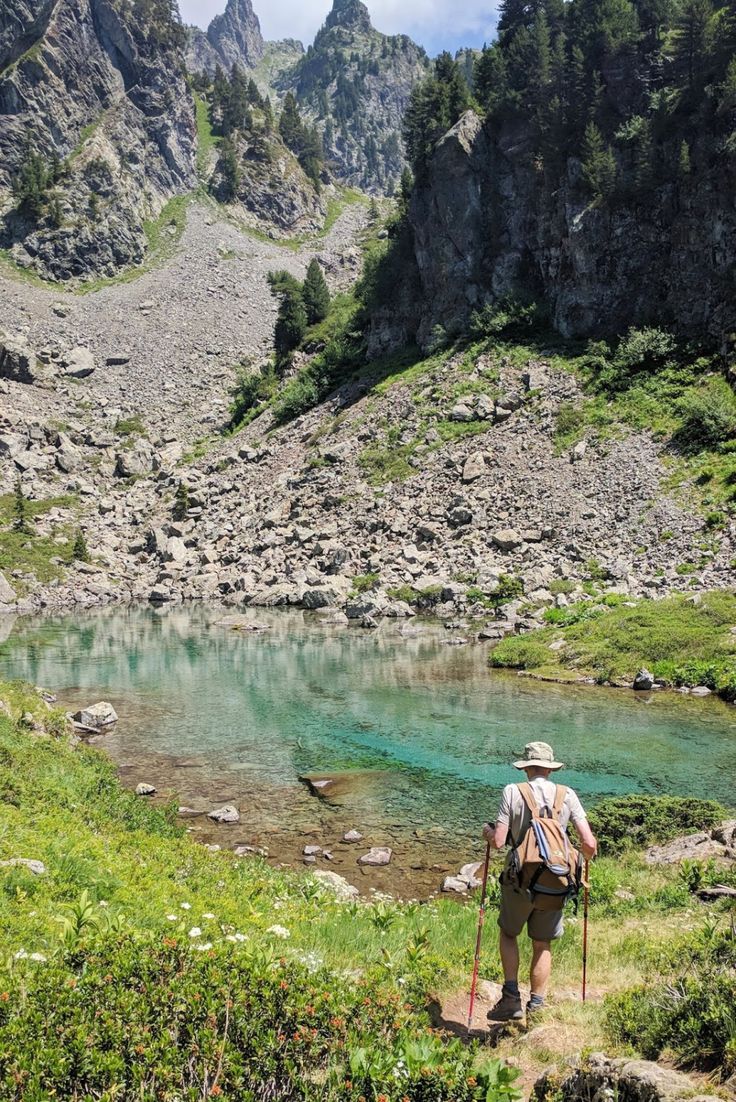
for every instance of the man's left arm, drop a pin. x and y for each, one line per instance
(497, 833)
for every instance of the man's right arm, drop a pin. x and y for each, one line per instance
(497, 833)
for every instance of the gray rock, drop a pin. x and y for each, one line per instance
(624, 1079)
(7, 593)
(352, 836)
(79, 363)
(36, 867)
(475, 466)
(144, 789)
(644, 681)
(17, 362)
(377, 856)
(506, 539)
(337, 884)
(96, 715)
(312, 851)
(225, 814)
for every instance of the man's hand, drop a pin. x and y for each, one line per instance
(496, 835)
(489, 833)
(588, 843)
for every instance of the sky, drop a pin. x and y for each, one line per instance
(435, 24)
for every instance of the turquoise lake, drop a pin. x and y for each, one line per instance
(419, 734)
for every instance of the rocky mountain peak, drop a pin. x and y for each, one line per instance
(236, 34)
(351, 14)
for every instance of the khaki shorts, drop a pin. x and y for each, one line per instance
(518, 911)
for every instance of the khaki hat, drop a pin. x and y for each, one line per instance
(538, 754)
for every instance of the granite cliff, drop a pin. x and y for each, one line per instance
(232, 38)
(97, 134)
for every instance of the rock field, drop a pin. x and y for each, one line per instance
(118, 397)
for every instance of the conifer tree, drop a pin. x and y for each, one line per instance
(80, 552)
(315, 293)
(20, 509)
(598, 163)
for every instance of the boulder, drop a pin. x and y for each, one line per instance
(96, 715)
(176, 550)
(462, 412)
(352, 836)
(337, 884)
(725, 833)
(36, 867)
(692, 847)
(79, 363)
(376, 856)
(716, 892)
(474, 467)
(312, 851)
(17, 361)
(225, 814)
(454, 884)
(506, 539)
(144, 789)
(624, 1079)
(8, 595)
(644, 681)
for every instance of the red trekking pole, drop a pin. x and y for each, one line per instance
(586, 900)
(481, 920)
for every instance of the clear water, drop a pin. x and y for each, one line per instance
(422, 733)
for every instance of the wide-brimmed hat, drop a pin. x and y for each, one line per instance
(538, 754)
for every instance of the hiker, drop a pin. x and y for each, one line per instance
(525, 901)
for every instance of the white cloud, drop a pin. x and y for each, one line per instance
(436, 24)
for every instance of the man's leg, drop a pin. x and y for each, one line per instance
(541, 968)
(509, 950)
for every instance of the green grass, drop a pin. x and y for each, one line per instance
(207, 140)
(30, 552)
(679, 640)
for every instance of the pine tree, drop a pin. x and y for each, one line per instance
(20, 509)
(315, 293)
(692, 44)
(291, 322)
(181, 502)
(80, 553)
(684, 166)
(598, 163)
(229, 166)
(30, 184)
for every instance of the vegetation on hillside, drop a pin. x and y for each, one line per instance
(684, 641)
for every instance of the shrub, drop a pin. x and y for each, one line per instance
(251, 389)
(364, 583)
(181, 502)
(115, 1015)
(20, 509)
(80, 552)
(691, 1012)
(642, 352)
(708, 415)
(636, 821)
(298, 396)
(520, 652)
(510, 316)
(315, 293)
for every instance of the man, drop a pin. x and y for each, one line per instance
(517, 909)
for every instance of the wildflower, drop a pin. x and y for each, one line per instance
(39, 957)
(284, 985)
(172, 918)
(215, 1091)
(195, 932)
(103, 903)
(230, 937)
(4, 997)
(208, 914)
(21, 955)
(204, 947)
(278, 931)
(186, 906)
(241, 937)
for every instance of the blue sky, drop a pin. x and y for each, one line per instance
(435, 24)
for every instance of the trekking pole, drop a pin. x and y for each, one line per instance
(481, 920)
(586, 900)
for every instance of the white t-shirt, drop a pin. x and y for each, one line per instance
(514, 813)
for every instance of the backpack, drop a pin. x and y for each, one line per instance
(543, 864)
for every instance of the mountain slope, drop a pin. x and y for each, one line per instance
(356, 82)
(97, 133)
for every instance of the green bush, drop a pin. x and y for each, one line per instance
(636, 821)
(123, 1016)
(252, 388)
(641, 352)
(509, 317)
(298, 396)
(520, 652)
(691, 1013)
(708, 415)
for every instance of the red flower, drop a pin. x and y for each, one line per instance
(215, 1091)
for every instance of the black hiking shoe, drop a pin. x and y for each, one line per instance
(507, 1009)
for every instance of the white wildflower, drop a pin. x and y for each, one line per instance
(244, 937)
(21, 955)
(208, 914)
(230, 937)
(186, 906)
(278, 931)
(195, 932)
(203, 947)
(38, 957)
(103, 903)
(172, 918)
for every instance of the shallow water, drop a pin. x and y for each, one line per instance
(422, 732)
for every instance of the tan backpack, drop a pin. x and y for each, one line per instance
(543, 863)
